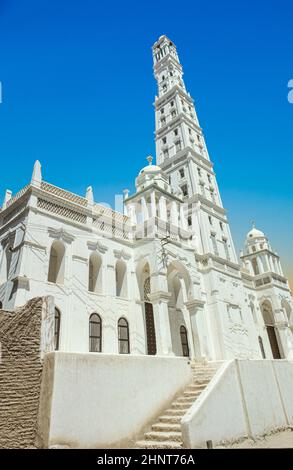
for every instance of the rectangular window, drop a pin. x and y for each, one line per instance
(189, 130)
(176, 132)
(214, 244)
(221, 226)
(163, 121)
(164, 140)
(162, 110)
(166, 153)
(210, 220)
(209, 178)
(181, 172)
(173, 114)
(172, 103)
(184, 190)
(189, 221)
(198, 171)
(178, 145)
(227, 254)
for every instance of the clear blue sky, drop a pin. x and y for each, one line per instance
(78, 89)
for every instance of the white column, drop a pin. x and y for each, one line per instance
(174, 213)
(279, 267)
(259, 264)
(132, 212)
(162, 324)
(162, 208)
(183, 221)
(153, 204)
(187, 320)
(193, 307)
(144, 207)
(271, 264)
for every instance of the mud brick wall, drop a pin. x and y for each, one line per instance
(20, 373)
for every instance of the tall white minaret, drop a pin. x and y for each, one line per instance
(182, 154)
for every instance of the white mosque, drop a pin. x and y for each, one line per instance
(162, 278)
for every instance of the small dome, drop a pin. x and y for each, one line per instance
(254, 233)
(150, 168)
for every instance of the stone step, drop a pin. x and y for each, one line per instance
(184, 399)
(195, 387)
(197, 381)
(147, 444)
(203, 372)
(173, 436)
(175, 412)
(172, 419)
(166, 427)
(192, 394)
(181, 406)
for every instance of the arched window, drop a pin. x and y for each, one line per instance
(1, 306)
(95, 333)
(95, 273)
(121, 279)
(123, 336)
(56, 263)
(57, 329)
(184, 341)
(261, 347)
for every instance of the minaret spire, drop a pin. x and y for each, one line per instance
(177, 126)
(182, 153)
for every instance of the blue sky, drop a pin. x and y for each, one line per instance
(78, 89)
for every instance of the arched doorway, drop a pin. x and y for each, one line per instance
(268, 317)
(149, 319)
(178, 280)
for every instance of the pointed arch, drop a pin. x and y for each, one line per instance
(288, 310)
(179, 286)
(57, 263)
(95, 273)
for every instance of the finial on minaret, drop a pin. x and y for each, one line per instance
(7, 197)
(150, 159)
(37, 174)
(253, 223)
(89, 195)
(125, 192)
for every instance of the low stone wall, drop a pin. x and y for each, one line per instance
(22, 348)
(94, 400)
(245, 398)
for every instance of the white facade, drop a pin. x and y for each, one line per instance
(166, 268)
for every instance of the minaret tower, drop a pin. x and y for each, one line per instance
(183, 155)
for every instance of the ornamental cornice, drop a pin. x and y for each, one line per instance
(97, 246)
(121, 254)
(160, 296)
(60, 234)
(194, 304)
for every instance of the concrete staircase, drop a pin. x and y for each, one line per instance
(165, 433)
